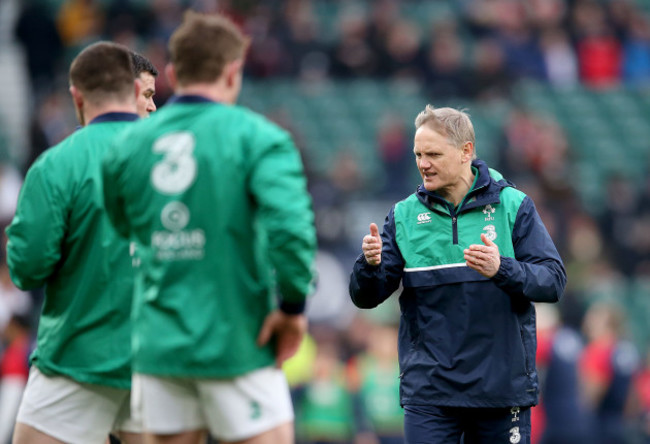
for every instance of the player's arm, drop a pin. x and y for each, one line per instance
(113, 202)
(279, 186)
(536, 272)
(37, 230)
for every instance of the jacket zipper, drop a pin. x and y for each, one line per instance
(454, 224)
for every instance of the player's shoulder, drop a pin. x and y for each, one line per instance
(58, 153)
(257, 121)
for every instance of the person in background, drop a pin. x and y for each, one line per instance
(562, 404)
(215, 197)
(472, 255)
(608, 367)
(376, 380)
(14, 371)
(79, 383)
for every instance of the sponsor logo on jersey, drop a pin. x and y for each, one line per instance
(490, 232)
(424, 218)
(176, 243)
(488, 211)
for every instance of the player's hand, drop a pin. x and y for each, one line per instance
(288, 331)
(371, 246)
(483, 258)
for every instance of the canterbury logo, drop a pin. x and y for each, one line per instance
(424, 218)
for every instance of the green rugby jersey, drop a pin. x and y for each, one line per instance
(60, 237)
(216, 199)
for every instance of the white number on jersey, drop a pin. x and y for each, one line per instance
(176, 171)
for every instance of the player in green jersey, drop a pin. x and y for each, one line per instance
(79, 384)
(215, 197)
(146, 73)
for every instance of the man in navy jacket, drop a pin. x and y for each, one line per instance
(472, 255)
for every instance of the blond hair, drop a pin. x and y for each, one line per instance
(452, 123)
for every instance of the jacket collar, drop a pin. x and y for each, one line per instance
(114, 117)
(189, 98)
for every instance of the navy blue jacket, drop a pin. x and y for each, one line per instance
(466, 340)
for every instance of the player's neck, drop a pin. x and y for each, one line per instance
(214, 91)
(91, 112)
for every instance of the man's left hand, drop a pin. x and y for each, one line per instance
(483, 258)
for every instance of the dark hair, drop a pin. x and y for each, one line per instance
(142, 64)
(103, 71)
(202, 46)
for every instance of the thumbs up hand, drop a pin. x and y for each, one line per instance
(483, 258)
(371, 246)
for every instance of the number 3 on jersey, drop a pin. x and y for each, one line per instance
(176, 171)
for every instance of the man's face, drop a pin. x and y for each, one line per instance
(439, 162)
(145, 101)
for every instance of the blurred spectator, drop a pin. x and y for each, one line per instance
(36, 31)
(352, 55)
(636, 52)
(608, 366)
(642, 399)
(599, 52)
(490, 81)
(302, 40)
(618, 220)
(523, 55)
(396, 154)
(14, 370)
(12, 300)
(80, 22)
(559, 57)
(376, 384)
(562, 408)
(325, 410)
(535, 144)
(403, 52)
(446, 72)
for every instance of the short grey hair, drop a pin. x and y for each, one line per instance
(450, 122)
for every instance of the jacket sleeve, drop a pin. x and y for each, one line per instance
(113, 202)
(37, 230)
(371, 285)
(537, 272)
(279, 187)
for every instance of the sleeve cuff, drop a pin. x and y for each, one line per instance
(292, 308)
(502, 272)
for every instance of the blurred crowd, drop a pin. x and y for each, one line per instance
(346, 377)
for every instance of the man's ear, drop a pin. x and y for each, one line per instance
(170, 72)
(468, 151)
(77, 97)
(138, 87)
(232, 72)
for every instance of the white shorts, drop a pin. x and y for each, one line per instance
(231, 409)
(73, 412)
